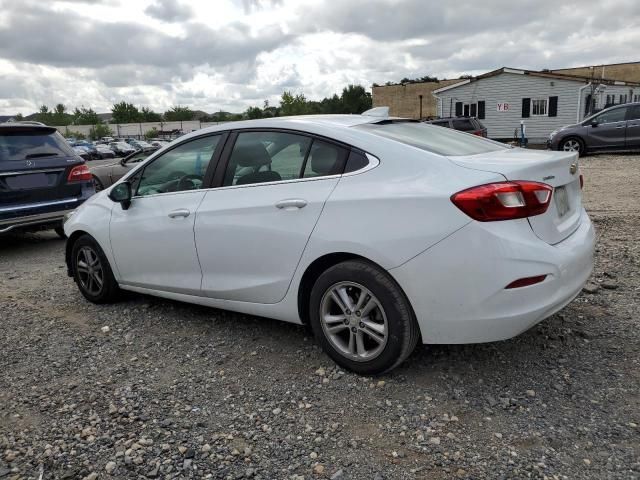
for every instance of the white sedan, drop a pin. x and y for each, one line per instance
(376, 232)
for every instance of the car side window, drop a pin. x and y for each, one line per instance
(181, 168)
(464, 125)
(634, 112)
(615, 115)
(259, 157)
(356, 161)
(324, 159)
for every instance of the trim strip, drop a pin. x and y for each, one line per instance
(29, 172)
(36, 205)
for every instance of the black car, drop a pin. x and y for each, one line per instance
(41, 178)
(464, 124)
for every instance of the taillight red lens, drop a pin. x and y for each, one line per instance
(478, 132)
(504, 200)
(80, 173)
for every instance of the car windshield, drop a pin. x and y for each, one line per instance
(25, 145)
(433, 139)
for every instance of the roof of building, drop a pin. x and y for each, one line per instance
(535, 73)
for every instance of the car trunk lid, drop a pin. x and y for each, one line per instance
(557, 169)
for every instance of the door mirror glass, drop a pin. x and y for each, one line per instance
(121, 194)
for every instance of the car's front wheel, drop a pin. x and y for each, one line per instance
(573, 144)
(362, 318)
(92, 272)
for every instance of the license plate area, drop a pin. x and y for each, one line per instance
(561, 199)
(31, 180)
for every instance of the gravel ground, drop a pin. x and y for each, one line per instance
(149, 388)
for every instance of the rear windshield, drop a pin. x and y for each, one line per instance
(443, 141)
(27, 145)
(465, 125)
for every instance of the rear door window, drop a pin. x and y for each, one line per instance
(25, 144)
(442, 141)
(465, 125)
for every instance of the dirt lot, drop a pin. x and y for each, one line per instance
(178, 391)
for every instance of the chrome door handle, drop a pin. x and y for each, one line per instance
(291, 203)
(181, 212)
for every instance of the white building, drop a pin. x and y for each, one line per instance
(545, 101)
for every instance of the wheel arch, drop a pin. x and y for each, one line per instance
(69, 248)
(322, 264)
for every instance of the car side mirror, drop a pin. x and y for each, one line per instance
(121, 194)
(594, 123)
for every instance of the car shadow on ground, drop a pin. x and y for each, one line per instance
(17, 242)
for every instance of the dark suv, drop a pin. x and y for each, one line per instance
(464, 124)
(41, 178)
(615, 128)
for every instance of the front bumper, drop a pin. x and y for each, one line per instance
(457, 289)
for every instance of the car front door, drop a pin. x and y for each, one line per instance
(633, 127)
(252, 230)
(152, 240)
(609, 129)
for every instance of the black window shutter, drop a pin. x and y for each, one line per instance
(553, 106)
(458, 109)
(474, 111)
(526, 107)
(481, 110)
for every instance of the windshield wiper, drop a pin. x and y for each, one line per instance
(43, 154)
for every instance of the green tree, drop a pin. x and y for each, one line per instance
(149, 134)
(148, 115)
(253, 113)
(124, 112)
(293, 104)
(355, 99)
(60, 116)
(178, 113)
(44, 115)
(18, 117)
(86, 116)
(100, 130)
(76, 135)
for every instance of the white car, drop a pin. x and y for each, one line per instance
(377, 232)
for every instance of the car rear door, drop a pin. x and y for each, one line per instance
(252, 230)
(610, 129)
(633, 127)
(35, 163)
(152, 241)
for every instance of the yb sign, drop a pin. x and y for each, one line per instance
(503, 107)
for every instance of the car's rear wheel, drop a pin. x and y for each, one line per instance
(362, 318)
(573, 144)
(92, 272)
(97, 184)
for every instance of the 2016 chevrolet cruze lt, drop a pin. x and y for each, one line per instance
(376, 232)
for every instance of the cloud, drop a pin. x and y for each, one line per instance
(169, 11)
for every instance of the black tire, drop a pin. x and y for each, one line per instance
(60, 231)
(563, 145)
(109, 290)
(97, 184)
(402, 331)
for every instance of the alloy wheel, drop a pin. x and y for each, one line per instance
(571, 145)
(90, 271)
(354, 321)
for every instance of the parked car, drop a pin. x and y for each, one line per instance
(88, 146)
(142, 145)
(105, 175)
(41, 178)
(121, 149)
(376, 232)
(464, 124)
(614, 128)
(104, 152)
(82, 152)
(159, 143)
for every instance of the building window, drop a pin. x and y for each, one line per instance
(623, 98)
(539, 107)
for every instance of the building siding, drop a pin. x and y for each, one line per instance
(511, 88)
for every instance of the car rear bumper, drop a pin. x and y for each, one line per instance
(41, 213)
(457, 288)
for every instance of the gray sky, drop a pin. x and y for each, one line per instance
(230, 54)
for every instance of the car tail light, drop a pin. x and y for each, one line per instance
(80, 173)
(525, 282)
(504, 200)
(478, 132)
